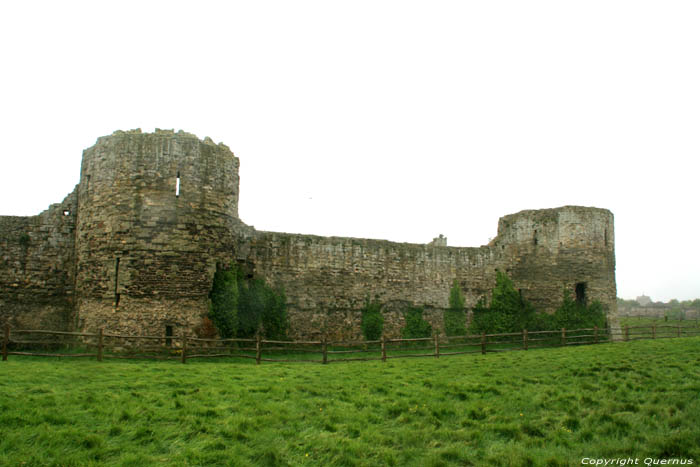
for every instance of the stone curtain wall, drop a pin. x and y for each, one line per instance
(157, 212)
(37, 268)
(328, 279)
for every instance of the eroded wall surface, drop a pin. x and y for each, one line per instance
(37, 268)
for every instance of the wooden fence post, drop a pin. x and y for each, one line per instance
(100, 345)
(325, 351)
(563, 336)
(653, 331)
(595, 333)
(524, 339)
(437, 346)
(627, 333)
(5, 342)
(483, 343)
(184, 346)
(383, 348)
(258, 349)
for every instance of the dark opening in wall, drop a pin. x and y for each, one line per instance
(177, 184)
(116, 283)
(534, 239)
(581, 293)
(66, 212)
(606, 237)
(168, 335)
(87, 183)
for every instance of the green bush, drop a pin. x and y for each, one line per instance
(508, 311)
(275, 320)
(455, 318)
(372, 319)
(415, 327)
(241, 307)
(223, 305)
(574, 315)
(260, 307)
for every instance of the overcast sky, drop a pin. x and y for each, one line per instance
(398, 120)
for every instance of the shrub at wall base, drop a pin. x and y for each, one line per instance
(416, 327)
(241, 307)
(455, 318)
(372, 319)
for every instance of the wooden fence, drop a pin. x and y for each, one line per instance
(102, 345)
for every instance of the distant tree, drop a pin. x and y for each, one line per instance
(628, 303)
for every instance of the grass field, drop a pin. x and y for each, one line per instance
(541, 407)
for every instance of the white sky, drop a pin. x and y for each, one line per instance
(382, 119)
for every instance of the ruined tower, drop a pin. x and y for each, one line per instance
(549, 251)
(155, 214)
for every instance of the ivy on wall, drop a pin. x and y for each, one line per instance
(455, 317)
(240, 307)
(415, 327)
(372, 319)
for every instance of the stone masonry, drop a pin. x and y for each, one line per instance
(134, 249)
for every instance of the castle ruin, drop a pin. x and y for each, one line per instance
(134, 248)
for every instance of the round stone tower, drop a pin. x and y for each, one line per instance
(156, 212)
(551, 251)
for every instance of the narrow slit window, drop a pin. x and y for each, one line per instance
(606, 237)
(116, 283)
(177, 185)
(534, 239)
(168, 335)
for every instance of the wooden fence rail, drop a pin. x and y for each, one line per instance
(184, 347)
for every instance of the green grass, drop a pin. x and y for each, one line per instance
(540, 407)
